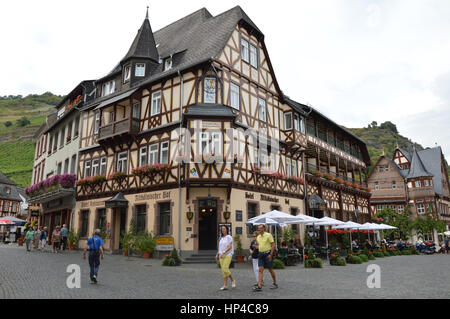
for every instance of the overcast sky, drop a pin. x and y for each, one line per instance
(355, 61)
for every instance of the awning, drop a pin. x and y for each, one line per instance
(117, 201)
(116, 99)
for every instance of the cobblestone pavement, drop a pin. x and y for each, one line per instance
(43, 275)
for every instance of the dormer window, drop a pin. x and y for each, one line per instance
(140, 70)
(108, 88)
(244, 51)
(288, 121)
(127, 74)
(253, 56)
(167, 64)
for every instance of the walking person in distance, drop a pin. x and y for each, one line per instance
(254, 252)
(266, 247)
(95, 247)
(224, 254)
(64, 234)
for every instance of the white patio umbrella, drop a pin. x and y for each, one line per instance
(349, 225)
(370, 226)
(327, 221)
(259, 220)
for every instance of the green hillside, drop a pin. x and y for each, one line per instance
(384, 137)
(20, 118)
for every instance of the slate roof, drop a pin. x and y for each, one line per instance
(144, 45)
(5, 183)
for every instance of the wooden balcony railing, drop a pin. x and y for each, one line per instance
(129, 125)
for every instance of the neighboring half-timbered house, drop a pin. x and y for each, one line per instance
(191, 130)
(418, 179)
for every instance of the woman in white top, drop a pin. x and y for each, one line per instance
(225, 253)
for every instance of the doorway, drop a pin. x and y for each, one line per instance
(207, 224)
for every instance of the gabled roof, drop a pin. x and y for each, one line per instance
(417, 168)
(144, 45)
(5, 180)
(391, 162)
(406, 153)
(432, 158)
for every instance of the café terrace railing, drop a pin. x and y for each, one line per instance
(128, 125)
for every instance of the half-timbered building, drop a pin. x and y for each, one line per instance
(191, 130)
(417, 179)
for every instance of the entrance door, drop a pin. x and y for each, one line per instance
(122, 223)
(207, 224)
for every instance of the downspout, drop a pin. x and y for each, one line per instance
(179, 164)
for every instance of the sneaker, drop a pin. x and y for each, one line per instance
(223, 288)
(233, 284)
(257, 288)
(94, 278)
(274, 286)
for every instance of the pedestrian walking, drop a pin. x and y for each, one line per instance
(224, 254)
(43, 238)
(56, 240)
(95, 246)
(64, 234)
(447, 245)
(266, 247)
(254, 253)
(37, 235)
(29, 237)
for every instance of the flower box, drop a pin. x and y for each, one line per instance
(51, 184)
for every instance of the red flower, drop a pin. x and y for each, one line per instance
(306, 256)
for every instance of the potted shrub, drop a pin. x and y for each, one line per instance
(239, 252)
(127, 241)
(145, 243)
(172, 259)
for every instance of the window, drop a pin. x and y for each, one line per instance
(66, 166)
(204, 143)
(394, 185)
(209, 90)
(379, 208)
(6, 206)
(14, 207)
(140, 69)
(77, 125)
(288, 167)
(251, 212)
(69, 130)
(87, 168)
(96, 122)
(376, 185)
(164, 153)
(294, 168)
(244, 51)
(156, 103)
(417, 184)
(262, 111)
(95, 167)
(84, 223)
(141, 216)
(420, 209)
(253, 56)
(235, 96)
(136, 110)
(59, 168)
(380, 169)
(103, 166)
(127, 73)
(108, 88)
(72, 164)
(386, 168)
(153, 154)
(122, 162)
(400, 208)
(143, 156)
(167, 64)
(164, 218)
(216, 143)
(427, 182)
(288, 121)
(61, 140)
(101, 221)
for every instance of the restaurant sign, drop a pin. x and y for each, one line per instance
(164, 243)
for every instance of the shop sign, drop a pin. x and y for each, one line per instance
(269, 199)
(154, 196)
(164, 243)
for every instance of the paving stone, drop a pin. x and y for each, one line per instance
(43, 275)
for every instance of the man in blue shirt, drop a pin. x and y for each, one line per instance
(95, 246)
(64, 234)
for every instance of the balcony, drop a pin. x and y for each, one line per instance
(295, 139)
(127, 126)
(310, 168)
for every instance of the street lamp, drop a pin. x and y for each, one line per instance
(226, 214)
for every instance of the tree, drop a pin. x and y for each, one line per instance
(388, 125)
(23, 122)
(8, 123)
(401, 221)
